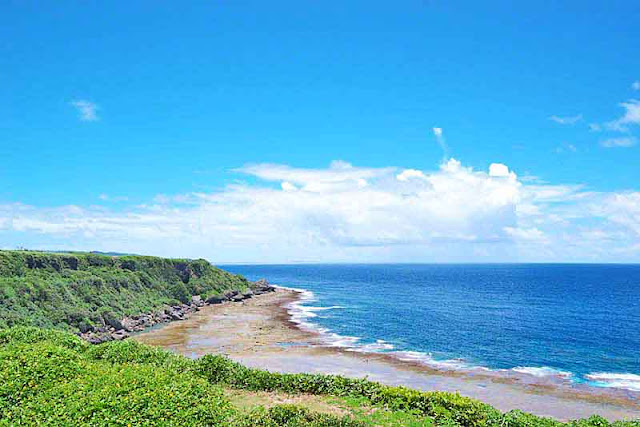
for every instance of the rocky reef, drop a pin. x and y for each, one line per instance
(119, 329)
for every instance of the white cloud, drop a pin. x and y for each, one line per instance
(437, 132)
(287, 186)
(408, 174)
(338, 176)
(635, 85)
(526, 234)
(567, 120)
(622, 209)
(498, 170)
(107, 198)
(631, 116)
(88, 110)
(625, 141)
(350, 213)
(564, 147)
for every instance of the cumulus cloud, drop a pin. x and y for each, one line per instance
(498, 170)
(350, 213)
(87, 110)
(567, 120)
(409, 174)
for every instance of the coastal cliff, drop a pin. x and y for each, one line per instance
(106, 297)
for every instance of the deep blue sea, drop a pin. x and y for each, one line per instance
(578, 321)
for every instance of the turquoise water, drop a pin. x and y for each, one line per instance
(580, 322)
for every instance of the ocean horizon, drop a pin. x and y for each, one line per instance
(576, 323)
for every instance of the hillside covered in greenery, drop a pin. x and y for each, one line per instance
(77, 291)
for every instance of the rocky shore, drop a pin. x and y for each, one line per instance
(119, 329)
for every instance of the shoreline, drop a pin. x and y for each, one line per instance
(543, 378)
(261, 333)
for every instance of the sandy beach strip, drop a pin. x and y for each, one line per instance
(259, 333)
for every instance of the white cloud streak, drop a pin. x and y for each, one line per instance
(107, 198)
(568, 120)
(625, 142)
(437, 132)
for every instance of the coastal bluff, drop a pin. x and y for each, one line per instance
(106, 297)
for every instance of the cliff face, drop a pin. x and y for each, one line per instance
(86, 291)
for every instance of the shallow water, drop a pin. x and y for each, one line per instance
(576, 322)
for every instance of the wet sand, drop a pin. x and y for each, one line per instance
(258, 333)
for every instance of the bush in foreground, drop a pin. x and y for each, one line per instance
(53, 378)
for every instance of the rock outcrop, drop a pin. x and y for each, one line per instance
(115, 330)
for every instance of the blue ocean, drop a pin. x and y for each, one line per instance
(577, 321)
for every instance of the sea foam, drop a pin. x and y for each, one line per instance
(300, 314)
(542, 371)
(606, 379)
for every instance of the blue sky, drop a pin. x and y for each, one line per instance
(210, 130)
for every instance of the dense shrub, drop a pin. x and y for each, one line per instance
(31, 335)
(129, 351)
(129, 395)
(79, 290)
(53, 378)
(28, 369)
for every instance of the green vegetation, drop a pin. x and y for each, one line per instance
(74, 291)
(54, 378)
(50, 377)
(358, 409)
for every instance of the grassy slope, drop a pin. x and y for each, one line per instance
(68, 290)
(54, 378)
